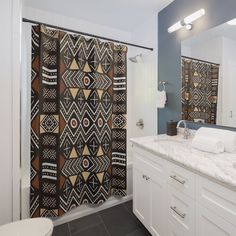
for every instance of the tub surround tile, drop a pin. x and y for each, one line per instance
(218, 167)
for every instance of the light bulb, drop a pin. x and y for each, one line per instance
(187, 22)
(175, 27)
(232, 22)
(191, 18)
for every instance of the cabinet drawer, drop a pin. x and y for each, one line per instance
(181, 179)
(181, 211)
(149, 168)
(217, 198)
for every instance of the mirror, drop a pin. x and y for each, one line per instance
(209, 76)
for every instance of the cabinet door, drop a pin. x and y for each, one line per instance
(208, 223)
(157, 206)
(150, 194)
(140, 196)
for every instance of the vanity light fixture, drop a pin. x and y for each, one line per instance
(232, 22)
(187, 21)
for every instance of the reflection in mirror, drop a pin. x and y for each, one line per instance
(209, 76)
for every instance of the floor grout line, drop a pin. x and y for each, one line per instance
(108, 233)
(68, 225)
(132, 214)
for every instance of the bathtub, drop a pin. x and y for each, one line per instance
(81, 210)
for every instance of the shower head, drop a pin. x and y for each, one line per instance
(134, 59)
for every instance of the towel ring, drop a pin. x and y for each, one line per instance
(163, 83)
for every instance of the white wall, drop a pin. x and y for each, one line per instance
(6, 112)
(144, 80)
(9, 86)
(76, 24)
(228, 82)
(210, 50)
(185, 50)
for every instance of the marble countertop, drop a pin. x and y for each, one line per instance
(220, 167)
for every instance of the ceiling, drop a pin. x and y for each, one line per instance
(120, 14)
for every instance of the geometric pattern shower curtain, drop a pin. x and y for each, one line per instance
(199, 90)
(78, 121)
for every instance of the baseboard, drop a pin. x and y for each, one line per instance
(86, 210)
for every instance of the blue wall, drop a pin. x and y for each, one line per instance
(169, 47)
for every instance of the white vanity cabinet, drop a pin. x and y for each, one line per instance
(173, 201)
(149, 200)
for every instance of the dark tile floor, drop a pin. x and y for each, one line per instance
(115, 221)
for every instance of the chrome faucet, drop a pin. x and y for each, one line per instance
(186, 130)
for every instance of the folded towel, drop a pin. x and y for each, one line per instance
(161, 99)
(227, 137)
(208, 144)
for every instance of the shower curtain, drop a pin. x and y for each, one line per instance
(78, 121)
(199, 90)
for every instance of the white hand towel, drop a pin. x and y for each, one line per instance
(227, 137)
(208, 144)
(161, 99)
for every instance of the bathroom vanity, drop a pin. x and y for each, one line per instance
(179, 191)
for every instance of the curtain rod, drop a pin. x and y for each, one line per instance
(196, 59)
(86, 34)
